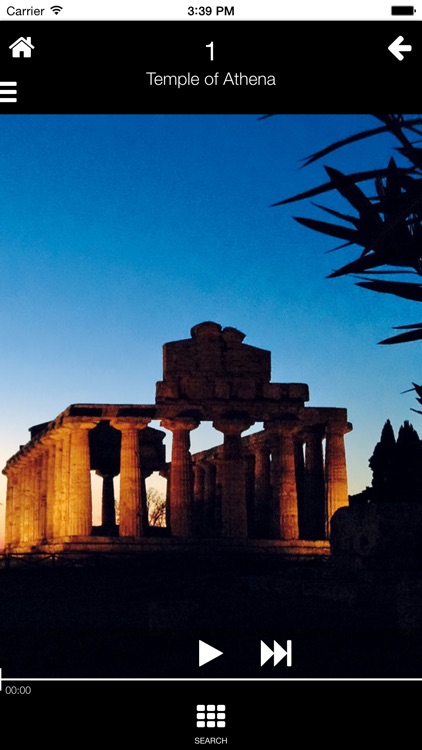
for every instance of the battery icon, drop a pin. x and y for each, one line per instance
(402, 10)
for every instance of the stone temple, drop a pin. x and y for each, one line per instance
(275, 488)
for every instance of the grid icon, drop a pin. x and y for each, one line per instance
(210, 716)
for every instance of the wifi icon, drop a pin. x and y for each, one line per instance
(56, 9)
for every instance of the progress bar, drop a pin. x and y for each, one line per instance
(204, 680)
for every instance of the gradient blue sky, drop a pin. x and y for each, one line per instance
(119, 233)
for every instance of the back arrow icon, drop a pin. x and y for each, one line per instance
(396, 48)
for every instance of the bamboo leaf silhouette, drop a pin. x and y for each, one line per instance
(339, 247)
(388, 224)
(345, 217)
(334, 230)
(413, 334)
(344, 142)
(418, 389)
(355, 196)
(398, 288)
(387, 127)
(360, 265)
(352, 178)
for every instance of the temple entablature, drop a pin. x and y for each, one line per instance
(215, 366)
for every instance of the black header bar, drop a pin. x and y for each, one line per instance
(194, 67)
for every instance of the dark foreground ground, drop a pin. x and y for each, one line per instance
(144, 618)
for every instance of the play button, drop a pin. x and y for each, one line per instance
(207, 653)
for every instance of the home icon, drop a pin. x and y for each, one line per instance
(22, 47)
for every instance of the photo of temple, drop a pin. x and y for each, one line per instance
(277, 487)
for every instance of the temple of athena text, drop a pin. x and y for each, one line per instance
(275, 487)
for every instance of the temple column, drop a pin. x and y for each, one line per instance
(36, 497)
(218, 462)
(181, 487)
(210, 480)
(262, 490)
(198, 498)
(300, 481)
(20, 497)
(108, 510)
(335, 470)
(274, 510)
(131, 521)
(233, 499)
(12, 529)
(27, 495)
(80, 500)
(314, 510)
(285, 491)
(17, 484)
(42, 524)
(249, 464)
(51, 456)
(144, 502)
(198, 482)
(61, 439)
(165, 473)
